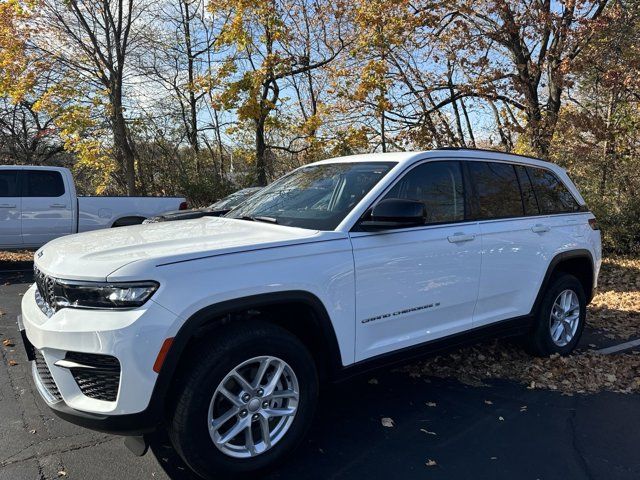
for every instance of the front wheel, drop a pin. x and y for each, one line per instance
(245, 401)
(560, 319)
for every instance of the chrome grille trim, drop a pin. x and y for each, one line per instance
(44, 291)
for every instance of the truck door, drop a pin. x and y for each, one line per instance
(46, 207)
(10, 204)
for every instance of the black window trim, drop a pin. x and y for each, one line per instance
(469, 205)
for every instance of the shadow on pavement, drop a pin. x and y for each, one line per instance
(491, 432)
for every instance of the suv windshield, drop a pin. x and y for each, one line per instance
(233, 200)
(316, 197)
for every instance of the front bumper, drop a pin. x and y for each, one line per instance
(134, 337)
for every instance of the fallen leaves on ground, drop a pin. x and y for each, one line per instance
(586, 372)
(431, 463)
(616, 307)
(615, 310)
(17, 256)
(8, 343)
(12, 363)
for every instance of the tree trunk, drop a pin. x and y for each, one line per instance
(469, 128)
(124, 152)
(609, 147)
(261, 153)
(193, 107)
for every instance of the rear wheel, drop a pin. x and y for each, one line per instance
(560, 319)
(245, 402)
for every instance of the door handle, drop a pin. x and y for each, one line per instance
(57, 205)
(540, 228)
(460, 237)
(7, 205)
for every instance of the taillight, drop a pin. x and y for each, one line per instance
(593, 224)
(183, 206)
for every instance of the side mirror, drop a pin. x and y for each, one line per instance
(395, 213)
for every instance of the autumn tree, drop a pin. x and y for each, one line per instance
(268, 50)
(180, 57)
(93, 41)
(521, 53)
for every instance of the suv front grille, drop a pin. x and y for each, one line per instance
(45, 291)
(42, 370)
(99, 376)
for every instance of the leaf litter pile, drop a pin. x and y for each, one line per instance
(17, 256)
(615, 311)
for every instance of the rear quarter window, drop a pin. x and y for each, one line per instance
(553, 196)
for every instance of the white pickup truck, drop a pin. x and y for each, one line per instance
(38, 204)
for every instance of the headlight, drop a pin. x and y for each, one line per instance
(102, 295)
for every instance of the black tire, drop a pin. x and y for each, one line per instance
(540, 341)
(210, 362)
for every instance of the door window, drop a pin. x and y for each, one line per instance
(529, 201)
(439, 186)
(497, 190)
(41, 183)
(9, 183)
(552, 195)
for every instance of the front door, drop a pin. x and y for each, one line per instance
(418, 284)
(10, 204)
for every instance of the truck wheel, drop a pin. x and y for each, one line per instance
(244, 401)
(560, 319)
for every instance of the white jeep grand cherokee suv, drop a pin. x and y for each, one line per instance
(220, 330)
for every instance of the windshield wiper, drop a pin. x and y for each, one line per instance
(260, 219)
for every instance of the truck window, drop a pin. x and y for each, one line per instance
(9, 183)
(42, 183)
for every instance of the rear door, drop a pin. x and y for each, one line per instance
(514, 240)
(47, 211)
(418, 284)
(10, 205)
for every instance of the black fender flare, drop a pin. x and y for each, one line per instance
(555, 261)
(199, 320)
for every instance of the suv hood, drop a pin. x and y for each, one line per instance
(95, 255)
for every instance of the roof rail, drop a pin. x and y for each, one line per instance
(489, 150)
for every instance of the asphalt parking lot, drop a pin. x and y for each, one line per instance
(441, 429)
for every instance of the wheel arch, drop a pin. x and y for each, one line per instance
(575, 262)
(300, 312)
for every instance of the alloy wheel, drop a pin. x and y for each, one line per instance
(253, 407)
(564, 318)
